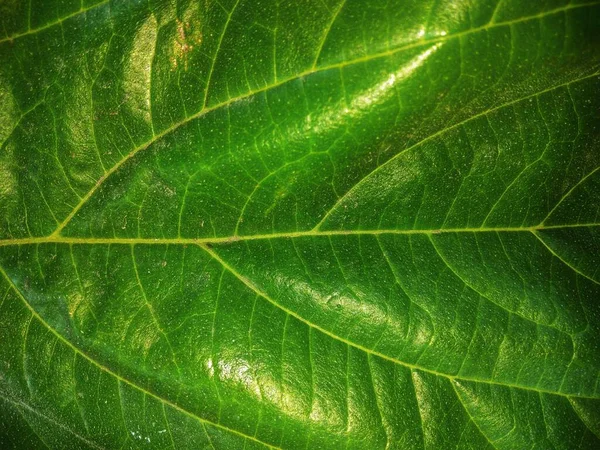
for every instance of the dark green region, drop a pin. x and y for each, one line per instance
(326, 224)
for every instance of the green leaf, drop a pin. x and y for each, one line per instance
(321, 224)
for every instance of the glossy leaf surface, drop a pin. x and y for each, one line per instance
(321, 224)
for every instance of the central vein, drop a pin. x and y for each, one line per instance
(59, 239)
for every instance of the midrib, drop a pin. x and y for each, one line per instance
(59, 239)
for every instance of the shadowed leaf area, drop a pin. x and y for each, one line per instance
(322, 224)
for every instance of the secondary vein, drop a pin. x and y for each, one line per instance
(52, 24)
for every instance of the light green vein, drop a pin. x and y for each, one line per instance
(59, 239)
(483, 295)
(17, 404)
(585, 420)
(570, 191)
(419, 410)
(439, 133)
(460, 400)
(568, 264)
(325, 35)
(52, 24)
(217, 51)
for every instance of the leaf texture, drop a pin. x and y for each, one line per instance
(280, 224)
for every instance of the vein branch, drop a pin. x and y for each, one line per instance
(51, 24)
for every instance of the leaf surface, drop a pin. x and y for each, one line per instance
(321, 224)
